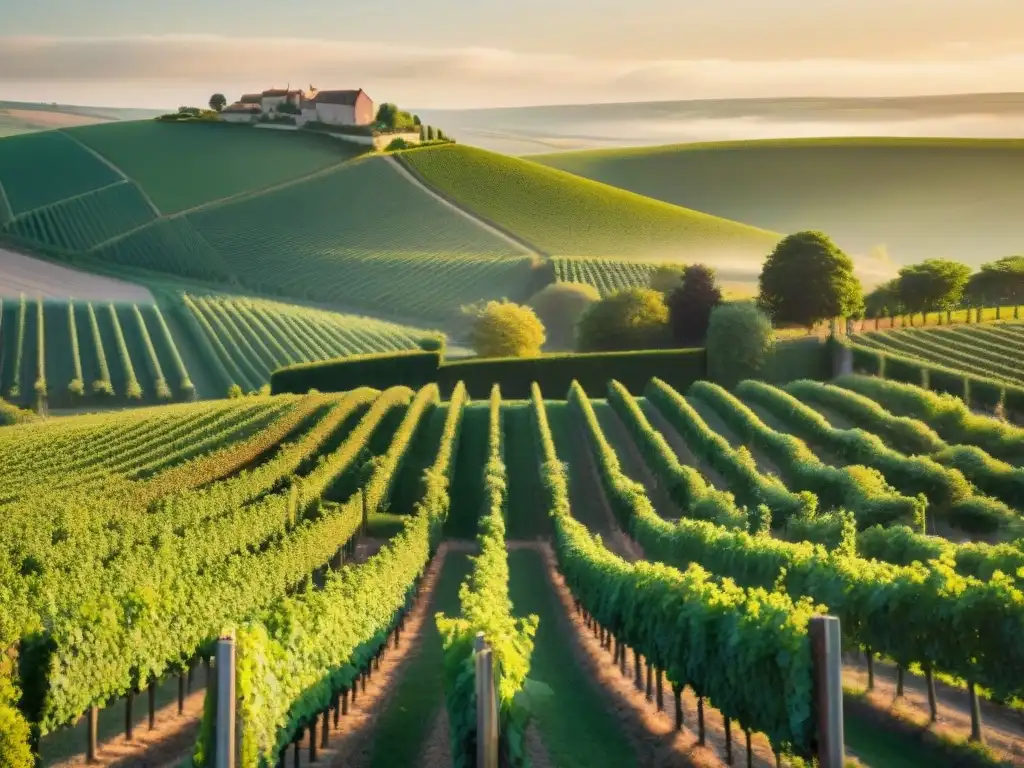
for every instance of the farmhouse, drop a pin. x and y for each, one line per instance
(348, 107)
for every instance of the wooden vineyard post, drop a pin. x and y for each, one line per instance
(826, 648)
(92, 725)
(486, 706)
(181, 693)
(976, 734)
(152, 703)
(225, 729)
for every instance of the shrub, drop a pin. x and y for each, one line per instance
(396, 144)
(633, 318)
(560, 307)
(504, 329)
(666, 279)
(235, 391)
(740, 341)
(1014, 402)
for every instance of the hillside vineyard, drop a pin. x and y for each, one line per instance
(130, 540)
(415, 234)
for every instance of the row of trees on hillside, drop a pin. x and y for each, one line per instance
(808, 279)
(939, 285)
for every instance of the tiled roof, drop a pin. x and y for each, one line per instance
(344, 98)
(251, 98)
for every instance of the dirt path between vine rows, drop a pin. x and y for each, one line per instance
(351, 745)
(169, 743)
(1002, 728)
(656, 742)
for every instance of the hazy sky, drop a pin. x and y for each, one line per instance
(462, 53)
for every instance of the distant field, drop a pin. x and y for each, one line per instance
(363, 235)
(245, 340)
(919, 198)
(129, 353)
(182, 166)
(995, 351)
(24, 274)
(562, 215)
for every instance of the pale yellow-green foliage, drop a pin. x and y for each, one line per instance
(666, 279)
(504, 329)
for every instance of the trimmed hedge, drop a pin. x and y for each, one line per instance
(949, 383)
(979, 392)
(868, 361)
(905, 370)
(678, 367)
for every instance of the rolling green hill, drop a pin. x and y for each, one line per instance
(919, 198)
(304, 216)
(563, 215)
(181, 169)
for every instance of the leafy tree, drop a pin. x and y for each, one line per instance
(633, 318)
(1002, 281)
(423, 132)
(666, 279)
(430, 133)
(416, 121)
(560, 306)
(691, 304)
(807, 279)
(218, 101)
(235, 391)
(884, 301)
(740, 343)
(504, 329)
(387, 113)
(932, 286)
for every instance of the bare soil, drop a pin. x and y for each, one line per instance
(170, 741)
(1002, 728)
(35, 277)
(351, 745)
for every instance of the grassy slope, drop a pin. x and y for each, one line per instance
(576, 723)
(921, 198)
(567, 216)
(181, 166)
(364, 235)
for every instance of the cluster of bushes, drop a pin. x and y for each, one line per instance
(185, 114)
(278, 119)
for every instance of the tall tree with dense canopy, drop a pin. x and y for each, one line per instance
(933, 286)
(691, 304)
(1003, 281)
(504, 329)
(560, 307)
(884, 301)
(807, 279)
(218, 101)
(633, 318)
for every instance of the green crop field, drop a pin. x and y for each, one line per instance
(606, 275)
(264, 516)
(183, 166)
(102, 354)
(564, 215)
(363, 235)
(917, 198)
(995, 351)
(251, 338)
(83, 222)
(40, 169)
